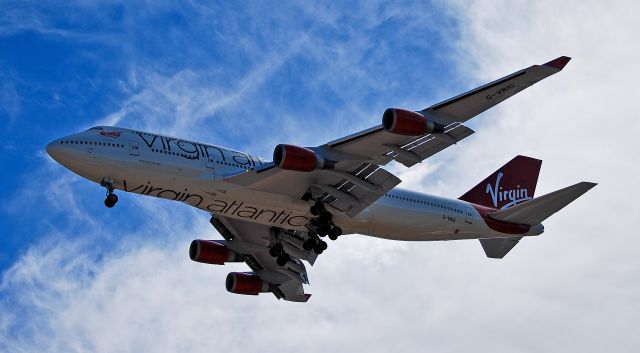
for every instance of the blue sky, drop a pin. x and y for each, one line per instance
(250, 75)
(66, 66)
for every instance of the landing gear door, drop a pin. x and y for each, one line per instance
(134, 149)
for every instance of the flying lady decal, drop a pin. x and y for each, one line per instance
(111, 134)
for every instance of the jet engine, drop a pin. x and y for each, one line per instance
(245, 283)
(211, 252)
(406, 122)
(296, 158)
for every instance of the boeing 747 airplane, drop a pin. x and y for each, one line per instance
(274, 214)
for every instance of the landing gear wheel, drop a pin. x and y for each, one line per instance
(323, 230)
(320, 247)
(111, 200)
(309, 244)
(273, 252)
(314, 210)
(335, 233)
(283, 259)
(276, 250)
(317, 208)
(322, 224)
(315, 222)
(325, 217)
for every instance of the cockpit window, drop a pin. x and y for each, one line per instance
(96, 128)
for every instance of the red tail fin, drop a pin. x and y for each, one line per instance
(515, 182)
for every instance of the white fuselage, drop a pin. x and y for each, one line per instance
(194, 173)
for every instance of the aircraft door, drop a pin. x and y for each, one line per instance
(210, 163)
(134, 149)
(468, 215)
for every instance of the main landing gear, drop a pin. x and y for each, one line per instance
(323, 223)
(314, 243)
(111, 198)
(282, 257)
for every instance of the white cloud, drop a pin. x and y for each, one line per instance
(570, 289)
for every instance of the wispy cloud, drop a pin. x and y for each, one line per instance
(351, 68)
(185, 101)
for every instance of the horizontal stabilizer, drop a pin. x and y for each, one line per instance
(537, 210)
(497, 248)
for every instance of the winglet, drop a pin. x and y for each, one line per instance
(558, 63)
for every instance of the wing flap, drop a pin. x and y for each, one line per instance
(425, 147)
(292, 291)
(352, 198)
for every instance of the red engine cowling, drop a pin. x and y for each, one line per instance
(406, 122)
(296, 158)
(245, 283)
(211, 252)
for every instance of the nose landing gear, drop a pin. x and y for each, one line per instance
(111, 198)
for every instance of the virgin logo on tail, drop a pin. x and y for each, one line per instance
(514, 196)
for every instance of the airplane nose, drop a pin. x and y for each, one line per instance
(73, 156)
(60, 152)
(55, 149)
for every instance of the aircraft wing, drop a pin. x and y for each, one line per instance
(253, 240)
(357, 178)
(469, 104)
